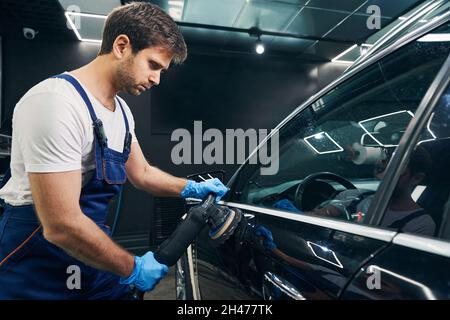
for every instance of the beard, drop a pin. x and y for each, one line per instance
(124, 79)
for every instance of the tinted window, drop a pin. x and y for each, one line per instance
(420, 202)
(349, 134)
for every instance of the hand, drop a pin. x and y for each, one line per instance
(146, 273)
(201, 189)
(285, 204)
(267, 235)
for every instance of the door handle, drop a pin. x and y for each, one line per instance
(275, 287)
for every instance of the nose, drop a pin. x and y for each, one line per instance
(154, 78)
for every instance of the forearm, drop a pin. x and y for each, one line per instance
(160, 183)
(85, 241)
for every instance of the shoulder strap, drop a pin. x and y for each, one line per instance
(401, 223)
(98, 124)
(81, 91)
(128, 138)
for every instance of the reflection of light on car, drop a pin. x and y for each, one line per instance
(435, 37)
(429, 130)
(426, 291)
(322, 137)
(282, 285)
(417, 192)
(325, 254)
(371, 134)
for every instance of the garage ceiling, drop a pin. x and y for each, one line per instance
(302, 29)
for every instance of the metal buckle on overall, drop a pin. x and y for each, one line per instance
(100, 131)
(128, 139)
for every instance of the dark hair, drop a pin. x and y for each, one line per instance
(146, 25)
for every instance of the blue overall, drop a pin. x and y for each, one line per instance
(33, 268)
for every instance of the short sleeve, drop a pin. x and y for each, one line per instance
(50, 133)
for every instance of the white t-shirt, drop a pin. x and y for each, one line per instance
(53, 132)
(423, 225)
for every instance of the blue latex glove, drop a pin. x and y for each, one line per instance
(285, 204)
(267, 235)
(200, 190)
(146, 273)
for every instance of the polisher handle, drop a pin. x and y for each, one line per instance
(173, 247)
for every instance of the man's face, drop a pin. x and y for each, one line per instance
(139, 72)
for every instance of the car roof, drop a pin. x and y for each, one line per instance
(415, 19)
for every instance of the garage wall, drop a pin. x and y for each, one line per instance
(225, 92)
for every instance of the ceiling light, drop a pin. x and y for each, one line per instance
(259, 46)
(175, 9)
(175, 13)
(435, 37)
(363, 48)
(336, 59)
(70, 14)
(175, 3)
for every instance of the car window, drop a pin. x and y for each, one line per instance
(433, 14)
(420, 201)
(333, 153)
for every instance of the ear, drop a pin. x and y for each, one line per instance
(121, 46)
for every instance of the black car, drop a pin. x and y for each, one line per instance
(360, 206)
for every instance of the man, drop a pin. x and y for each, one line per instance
(73, 147)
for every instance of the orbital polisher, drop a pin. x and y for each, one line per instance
(221, 221)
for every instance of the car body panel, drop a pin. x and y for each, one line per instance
(419, 274)
(314, 259)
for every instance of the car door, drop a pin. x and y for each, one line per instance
(416, 265)
(316, 210)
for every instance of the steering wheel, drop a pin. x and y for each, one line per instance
(299, 192)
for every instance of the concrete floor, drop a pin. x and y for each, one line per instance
(165, 290)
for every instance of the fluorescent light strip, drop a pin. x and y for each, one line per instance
(429, 130)
(382, 116)
(340, 149)
(435, 37)
(336, 59)
(68, 15)
(428, 126)
(176, 3)
(175, 13)
(89, 15)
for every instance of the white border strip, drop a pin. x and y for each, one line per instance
(435, 246)
(361, 230)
